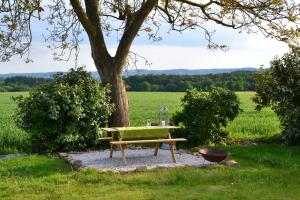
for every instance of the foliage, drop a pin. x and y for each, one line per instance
(26, 80)
(21, 83)
(66, 113)
(205, 115)
(236, 81)
(279, 87)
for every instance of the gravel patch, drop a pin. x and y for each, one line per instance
(137, 160)
(16, 155)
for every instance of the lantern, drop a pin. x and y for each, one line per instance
(163, 116)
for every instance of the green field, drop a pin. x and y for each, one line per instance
(12, 139)
(249, 125)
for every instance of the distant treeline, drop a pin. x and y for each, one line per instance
(236, 81)
(20, 83)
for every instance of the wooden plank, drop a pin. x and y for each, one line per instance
(149, 141)
(123, 154)
(105, 138)
(115, 129)
(110, 129)
(172, 151)
(172, 127)
(111, 151)
(156, 149)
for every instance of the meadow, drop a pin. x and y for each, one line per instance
(249, 125)
(267, 171)
(12, 139)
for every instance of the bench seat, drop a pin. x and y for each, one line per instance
(149, 141)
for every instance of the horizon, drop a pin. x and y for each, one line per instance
(195, 69)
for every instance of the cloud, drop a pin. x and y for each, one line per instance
(251, 51)
(43, 61)
(248, 51)
(166, 57)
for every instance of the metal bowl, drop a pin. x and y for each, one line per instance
(214, 155)
(154, 123)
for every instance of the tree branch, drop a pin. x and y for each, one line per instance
(92, 12)
(90, 22)
(133, 24)
(87, 25)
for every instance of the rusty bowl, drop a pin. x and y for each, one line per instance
(154, 123)
(214, 155)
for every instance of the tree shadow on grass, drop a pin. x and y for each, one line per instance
(33, 166)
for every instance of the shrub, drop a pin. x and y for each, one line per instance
(65, 114)
(279, 87)
(2, 89)
(205, 115)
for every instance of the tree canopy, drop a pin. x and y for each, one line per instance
(235, 81)
(279, 88)
(67, 19)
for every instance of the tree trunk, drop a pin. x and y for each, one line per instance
(110, 68)
(120, 117)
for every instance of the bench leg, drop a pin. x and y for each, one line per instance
(111, 151)
(156, 149)
(123, 154)
(171, 144)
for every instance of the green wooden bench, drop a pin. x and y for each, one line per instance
(142, 135)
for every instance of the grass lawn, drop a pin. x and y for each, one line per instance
(266, 172)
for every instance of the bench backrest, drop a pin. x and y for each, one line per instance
(132, 133)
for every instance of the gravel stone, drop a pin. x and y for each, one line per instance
(16, 155)
(137, 160)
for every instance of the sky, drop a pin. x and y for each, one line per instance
(175, 51)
